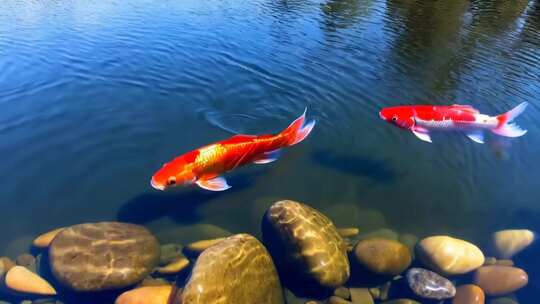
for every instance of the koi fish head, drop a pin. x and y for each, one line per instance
(402, 116)
(173, 174)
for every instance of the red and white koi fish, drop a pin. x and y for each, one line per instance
(204, 166)
(423, 119)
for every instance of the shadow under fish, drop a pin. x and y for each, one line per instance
(359, 165)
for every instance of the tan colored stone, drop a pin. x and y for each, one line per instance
(383, 256)
(505, 262)
(44, 240)
(342, 292)
(507, 243)
(174, 267)
(469, 294)
(304, 240)
(236, 270)
(498, 280)
(337, 300)
(5, 265)
(348, 232)
(200, 246)
(448, 255)
(146, 295)
(361, 296)
(23, 280)
(149, 281)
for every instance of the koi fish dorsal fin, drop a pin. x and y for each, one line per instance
(466, 108)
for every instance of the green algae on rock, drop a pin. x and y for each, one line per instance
(301, 237)
(103, 256)
(238, 269)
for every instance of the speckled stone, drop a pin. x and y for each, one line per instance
(448, 255)
(103, 256)
(307, 241)
(500, 280)
(236, 270)
(383, 256)
(429, 285)
(469, 294)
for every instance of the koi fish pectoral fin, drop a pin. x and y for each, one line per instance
(476, 136)
(422, 133)
(268, 157)
(215, 184)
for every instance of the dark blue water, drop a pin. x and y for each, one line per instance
(96, 96)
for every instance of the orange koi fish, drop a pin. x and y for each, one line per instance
(204, 166)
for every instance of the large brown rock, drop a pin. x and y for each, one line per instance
(469, 294)
(500, 280)
(306, 240)
(235, 270)
(103, 256)
(382, 256)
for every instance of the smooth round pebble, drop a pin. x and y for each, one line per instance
(200, 246)
(169, 253)
(44, 240)
(23, 280)
(174, 267)
(429, 285)
(304, 240)
(469, 294)
(498, 280)
(448, 255)
(508, 243)
(348, 232)
(238, 269)
(337, 300)
(103, 256)
(383, 256)
(361, 296)
(342, 292)
(146, 295)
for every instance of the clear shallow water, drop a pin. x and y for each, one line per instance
(94, 97)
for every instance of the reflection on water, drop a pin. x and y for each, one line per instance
(96, 96)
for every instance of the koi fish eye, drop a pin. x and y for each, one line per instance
(394, 118)
(171, 181)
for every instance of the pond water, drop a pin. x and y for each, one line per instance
(96, 95)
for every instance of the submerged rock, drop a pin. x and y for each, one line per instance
(174, 267)
(28, 261)
(236, 270)
(448, 255)
(22, 280)
(429, 285)
(382, 256)
(361, 296)
(304, 239)
(469, 294)
(44, 240)
(169, 253)
(103, 256)
(199, 246)
(146, 295)
(507, 243)
(401, 301)
(500, 280)
(383, 233)
(348, 232)
(5, 265)
(342, 292)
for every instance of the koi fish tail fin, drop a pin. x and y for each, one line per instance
(298, 130)
(506, 127)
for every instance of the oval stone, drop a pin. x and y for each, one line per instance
(44, 240)
(103, 256)
(23, 280)
(429, 285)
(146, 295)
(500, 280)
(236, 270)
(507, 243)
(448, 255)
(306, 240)
(469, 294)
(383, 256)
